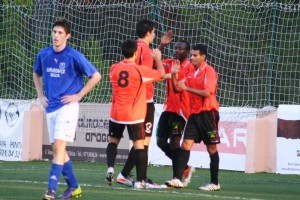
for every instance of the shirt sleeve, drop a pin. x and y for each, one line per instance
(210, 80)
(85, 66)
(38, 65)
(149, 74)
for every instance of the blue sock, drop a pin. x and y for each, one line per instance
(54, 176)
(69, 175)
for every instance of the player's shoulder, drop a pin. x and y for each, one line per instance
(46, 51)
(124, 66)
(73, 52)
(142, 46)
(210, 68)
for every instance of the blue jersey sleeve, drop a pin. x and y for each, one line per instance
(85, 66)
(38, 65)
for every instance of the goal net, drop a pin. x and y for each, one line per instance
(254, 47)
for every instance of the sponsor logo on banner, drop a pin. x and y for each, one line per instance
(232, 132)
(11, 134)
(233, 138)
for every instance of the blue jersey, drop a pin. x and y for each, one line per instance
(62, 73)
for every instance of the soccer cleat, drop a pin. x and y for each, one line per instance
(125, 180)
(151, 185)
(174, 183)
(109, 179)
(49, 195)
(187, 175)
(155, 186)
(210, 187)
(139, 185)
(71, 193)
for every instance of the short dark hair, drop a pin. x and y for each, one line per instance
(128, 48)
(143, 27)
(63, 23)
(187, 44)
(202, 48)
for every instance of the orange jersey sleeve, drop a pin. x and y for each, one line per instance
(211, 85)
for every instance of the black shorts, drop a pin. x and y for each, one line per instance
(203, 126)
(148, 124)
(170, 124)
(135, 131)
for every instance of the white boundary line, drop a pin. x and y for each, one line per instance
(128, 188)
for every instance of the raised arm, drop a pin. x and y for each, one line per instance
(166, 39)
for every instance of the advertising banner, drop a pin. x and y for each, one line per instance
(288, 139)
(91, 137)
(232, 149)
(11, 129)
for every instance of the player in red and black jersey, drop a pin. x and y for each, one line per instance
(176, 107)
(145, 30)
(202, 124)
(129, 107)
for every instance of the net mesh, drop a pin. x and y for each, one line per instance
(253, 45)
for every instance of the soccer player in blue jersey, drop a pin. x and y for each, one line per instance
(61, 69)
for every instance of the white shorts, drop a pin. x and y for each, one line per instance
(62, 123)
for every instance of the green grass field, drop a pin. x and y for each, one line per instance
(28, 180)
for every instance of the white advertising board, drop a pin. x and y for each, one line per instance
(11, 129)
(288, 139)
(232, 149)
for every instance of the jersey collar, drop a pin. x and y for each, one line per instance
(185, 63)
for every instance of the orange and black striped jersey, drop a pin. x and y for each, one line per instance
(204, 78)
(128, 91)
(177, 102)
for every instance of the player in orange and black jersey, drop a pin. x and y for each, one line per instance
(129, 107)
(202, 124)
(176, 108)
(145, 30)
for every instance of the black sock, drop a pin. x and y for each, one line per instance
(140, 161)
(146, 163)
(214, 167)
(174, 159)
(129, 164)
(182, 161)
(111, 153)
(167, 150)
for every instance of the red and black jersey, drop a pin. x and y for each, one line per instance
(128, 84)
(204, 78)
(177, 102)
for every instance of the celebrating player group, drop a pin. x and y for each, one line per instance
(190, 110)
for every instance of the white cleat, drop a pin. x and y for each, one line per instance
(187, 175)
(139, 185)
(109, 179)
(210, 187)
(174, 183)
(125, 180)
